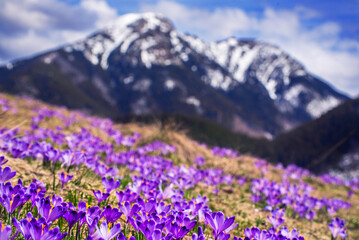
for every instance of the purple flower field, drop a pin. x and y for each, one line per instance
(66, 175)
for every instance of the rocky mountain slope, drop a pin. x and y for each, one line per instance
(140, 65)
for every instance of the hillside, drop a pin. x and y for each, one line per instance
(141, 65)
(158, 174)
(328, 143)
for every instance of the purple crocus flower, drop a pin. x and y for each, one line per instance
(256, 233)
(121, 236)
(6, 174)
(92, 227)
(163, 209)
(293, 234)
(200, 235)
(133, 223)
(110, 184)
(219, 224)
(57, 200)
(52, 154)
(105, 233)
(126, 196)
(39, 184)
(91, 214)
(100, 196)
(64, 178)
(128, 210)
(223, 236)
(5, 232)
(35, 193)
(241, 180)
(332, 210)
(148, 207)
(200, 161)
(44, 233)
(111, 214)
(49, 211)
(23, 226)
(262, 165)
(39, 230)
(178, 230)
(149, 229)
(13, 202)
(310, 215)
(3, 160)
(168, 192)
(256, 198)
(82, 208)
(337, 227)
(67, 157)
(72, 217)
(277, 217)
(202, 212)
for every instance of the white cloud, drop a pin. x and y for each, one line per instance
(32, 26)
(320, 49)
(104, 12)
(209, 25)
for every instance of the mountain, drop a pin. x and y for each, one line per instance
(329, 143)
(140, 65)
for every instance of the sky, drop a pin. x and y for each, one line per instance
(321, 34)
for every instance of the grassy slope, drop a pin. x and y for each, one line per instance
(232, 200)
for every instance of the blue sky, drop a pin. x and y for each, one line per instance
(323, 35)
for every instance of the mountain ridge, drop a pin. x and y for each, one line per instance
(141, 65)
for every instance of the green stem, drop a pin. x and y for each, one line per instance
(78, 230)
(53, 182)
(126, 230)
(9, 219)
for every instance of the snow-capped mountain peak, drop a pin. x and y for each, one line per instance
(232, 62)
(140, 64)
(121, 33)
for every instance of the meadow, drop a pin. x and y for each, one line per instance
(68, 175)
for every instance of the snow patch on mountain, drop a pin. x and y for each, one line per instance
(127, 42)
(142, 85)
(217, 79)
(147, 58)
(193, 101)
(170, 84)
(197, 45)
(175, 41)
(236, 58)
(299, 72)
(9, 66)
(49, 58)
(318, 106)
(140, 107)
(292, 95)
(103, 88)
(128, 79)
